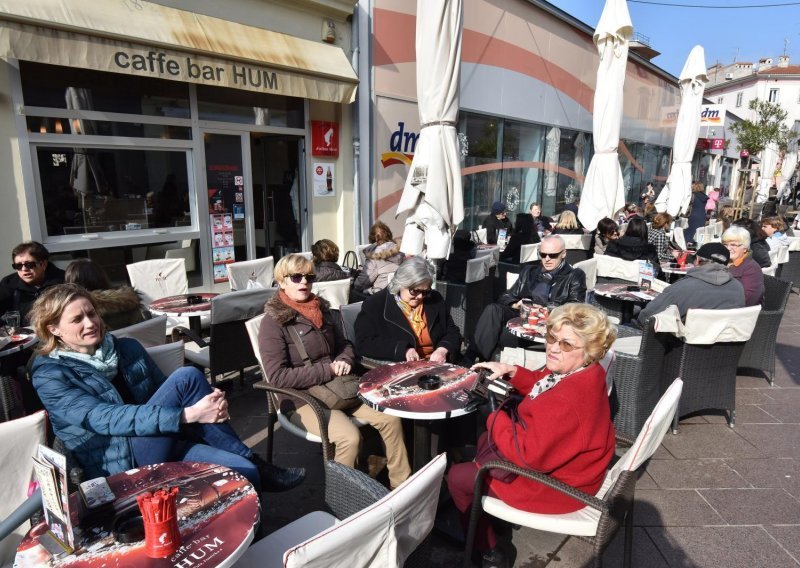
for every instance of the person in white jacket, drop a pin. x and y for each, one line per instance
(774, 227)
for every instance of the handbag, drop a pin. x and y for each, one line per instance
(486, 449)
(339, 393)
(350, 260)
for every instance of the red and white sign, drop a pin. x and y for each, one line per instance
(324, 138)
(744, 154)
(717, 143)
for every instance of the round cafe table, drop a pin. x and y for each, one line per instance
(179, 306)
(394, 389)
(628, 295)
(23, 339)
(523, 330)
(217, 513)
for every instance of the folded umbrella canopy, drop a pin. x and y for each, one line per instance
(603, 192)
(432, 192)
(677, 192)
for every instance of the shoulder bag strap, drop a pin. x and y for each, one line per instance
(298, 342)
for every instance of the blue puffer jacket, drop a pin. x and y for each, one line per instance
(88, 414)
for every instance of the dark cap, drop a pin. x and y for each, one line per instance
(716, 252)
(498, 207)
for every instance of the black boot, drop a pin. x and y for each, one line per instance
(275, 479)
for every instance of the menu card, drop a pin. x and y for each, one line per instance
(51, 472)
(646, 273)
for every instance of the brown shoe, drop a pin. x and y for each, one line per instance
(375, 465)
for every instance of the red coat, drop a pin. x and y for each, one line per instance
(568, 435)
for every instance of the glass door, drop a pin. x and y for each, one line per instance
(279, 203)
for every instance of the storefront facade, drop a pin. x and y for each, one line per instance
(527, 86)
(140, 130)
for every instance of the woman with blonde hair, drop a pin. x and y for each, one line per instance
(114, 409)
(567, 224)
(302, 345)
(563, 428)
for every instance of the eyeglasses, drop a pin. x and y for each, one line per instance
(30, 265)
(297, 278)
(550, 254)
(424, 292)
(565, 346)
(733, 245)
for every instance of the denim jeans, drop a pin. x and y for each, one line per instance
(208, 443)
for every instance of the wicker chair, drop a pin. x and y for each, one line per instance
(606, 511)
(790, 271)
(707, 364)
(636, 374)
(759, 351)
(465, 302)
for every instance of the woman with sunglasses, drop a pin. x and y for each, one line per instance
(407, 321)
(564, 426)
(32, 274)
(297, 313)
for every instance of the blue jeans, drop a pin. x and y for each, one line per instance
(208, 443)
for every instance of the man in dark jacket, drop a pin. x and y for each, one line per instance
(495, 221)
(553, 282)
(33, 273)
(707, 286)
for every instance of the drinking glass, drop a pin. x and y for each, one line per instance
(11, 322)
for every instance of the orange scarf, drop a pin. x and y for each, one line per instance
(309, 309)
(419, 325)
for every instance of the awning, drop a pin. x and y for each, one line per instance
(144, 39)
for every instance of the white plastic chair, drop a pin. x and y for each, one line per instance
(529, 253)
(481, 235)
(149, 333)
(336, 292)
(383, 534)
(160, 278)
(612, 267)
(258, 273)
(20, 441)
(617, 491)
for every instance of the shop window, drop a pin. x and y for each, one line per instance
(739, 97)
(245, 107)
(61, 125)
(71, 88)
(523, 143)
(102, 190)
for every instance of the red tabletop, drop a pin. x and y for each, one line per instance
(177, 306)
(217, 512)
(524, 330)
(393, 389)
(19, 341)
(622, 292)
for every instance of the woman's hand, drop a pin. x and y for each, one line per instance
(439, 356)
(497, 369)
(340, 368)
(211, 409)
(412, 355)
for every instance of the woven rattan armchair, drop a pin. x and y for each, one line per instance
(790, 271)
(637, 378)
(759, 351)
(603, 513)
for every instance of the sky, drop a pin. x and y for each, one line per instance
(728, 34)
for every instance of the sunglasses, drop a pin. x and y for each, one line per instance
(420, 292)
(297, 278)
(30, 265)
(565, 346)
(550, 254)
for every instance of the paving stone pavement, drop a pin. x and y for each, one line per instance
(712, 496)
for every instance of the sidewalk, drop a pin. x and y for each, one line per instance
(712, 496)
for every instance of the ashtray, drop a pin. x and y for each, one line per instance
(128, 528)
(429, 382)
(192, 300)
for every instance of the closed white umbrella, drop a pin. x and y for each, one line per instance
(787, 170)
(677, 193)
(432, 192)
(603, 190)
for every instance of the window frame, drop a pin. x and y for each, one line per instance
(776, 92)
(739, 99)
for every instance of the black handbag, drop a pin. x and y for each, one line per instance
(487, 451)
(350, 261)
(339, 393)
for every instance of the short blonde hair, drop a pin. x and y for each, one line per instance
(590, 324)
(567, 220)
(48, 309)
(293, 264)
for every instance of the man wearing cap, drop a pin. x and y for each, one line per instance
(495, 221)
(708, 285)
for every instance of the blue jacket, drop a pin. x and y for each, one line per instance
(88, 414)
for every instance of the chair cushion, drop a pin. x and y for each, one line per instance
(628, 345)
(582, 522)
(198, 355)
(268, 552)
(167, 357)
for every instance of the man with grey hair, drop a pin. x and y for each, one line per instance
(553, 282)
(407, 320)
(708, 285)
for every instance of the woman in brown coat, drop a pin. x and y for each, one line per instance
(330, 354)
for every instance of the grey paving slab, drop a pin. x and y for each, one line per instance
(535, 548)
(785, 412)
(709, 441)
(714, 547)
(788, 536)
(753, 506)
(755, 396)
(760, 414)
(575, 553)
(673, 508)
(775, 472)
(772, 440)
(694, 473)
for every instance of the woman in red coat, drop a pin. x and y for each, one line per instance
(565, 427)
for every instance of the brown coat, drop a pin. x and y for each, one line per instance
(118, 307)
(281, 361)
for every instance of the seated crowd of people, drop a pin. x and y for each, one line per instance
(114, 409)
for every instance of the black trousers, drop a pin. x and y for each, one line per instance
(491, 334)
